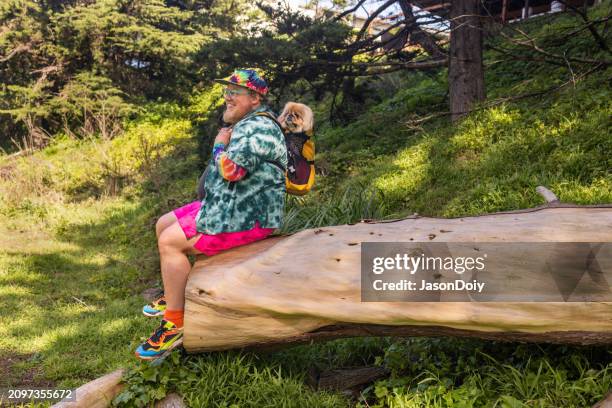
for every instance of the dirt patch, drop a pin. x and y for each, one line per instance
(14, 376)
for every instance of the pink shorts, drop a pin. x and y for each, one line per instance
(213, 244)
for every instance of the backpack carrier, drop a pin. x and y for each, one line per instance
(300, 172)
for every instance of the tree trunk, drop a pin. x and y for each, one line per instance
(307, 286)
(466, 72)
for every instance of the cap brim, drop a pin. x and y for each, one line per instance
(226, 82)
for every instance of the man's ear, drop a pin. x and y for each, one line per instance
(255, 98)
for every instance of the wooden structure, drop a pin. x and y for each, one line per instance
(505, 10)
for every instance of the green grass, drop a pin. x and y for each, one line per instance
(70, 300)
(77, 245)
(475, 373)
(494, 159)
(74, 258)
(223, 380)
(74, 267)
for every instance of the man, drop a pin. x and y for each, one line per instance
(243, 202)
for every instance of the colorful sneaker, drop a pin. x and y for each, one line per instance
(155, 308)
(164, 339)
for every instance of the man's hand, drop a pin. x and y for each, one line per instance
(224, 135)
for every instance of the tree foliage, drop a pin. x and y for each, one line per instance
(80, 67)
(72, 65)
(322, 52)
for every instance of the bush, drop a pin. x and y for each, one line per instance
(148, 155)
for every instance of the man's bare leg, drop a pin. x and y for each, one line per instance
(164, 222)
(175, 266)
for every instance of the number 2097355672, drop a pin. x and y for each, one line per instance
(29, 394)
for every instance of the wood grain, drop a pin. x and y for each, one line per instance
(306, 287)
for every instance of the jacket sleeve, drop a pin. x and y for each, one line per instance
(227, 168)
(252, 142)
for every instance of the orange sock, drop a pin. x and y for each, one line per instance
(174, 316)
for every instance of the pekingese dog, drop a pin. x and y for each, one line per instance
(296, 118)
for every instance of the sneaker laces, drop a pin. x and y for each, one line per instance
(157, 334)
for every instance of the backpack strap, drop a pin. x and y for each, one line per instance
(269, 116)
(277, 164)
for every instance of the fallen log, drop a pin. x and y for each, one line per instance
(605, 403)
(306, 287)
(97, 393)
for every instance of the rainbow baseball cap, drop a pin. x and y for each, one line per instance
(247, 78)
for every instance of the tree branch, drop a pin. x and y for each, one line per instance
(368, 41)
(598, 38)
(423, 38)
(531, 44)
(349, 11)
(371, 18)
(19, 49)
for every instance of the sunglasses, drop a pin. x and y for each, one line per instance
(234, 92)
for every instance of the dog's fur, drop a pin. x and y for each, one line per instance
(296, 118)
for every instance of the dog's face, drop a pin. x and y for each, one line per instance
(296, 118)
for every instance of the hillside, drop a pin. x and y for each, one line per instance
(77, 243)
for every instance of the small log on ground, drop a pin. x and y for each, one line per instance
(97, 393)
(306, 287)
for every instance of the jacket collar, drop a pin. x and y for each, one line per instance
(260, 108)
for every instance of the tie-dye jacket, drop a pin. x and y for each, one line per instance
(230, 206)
